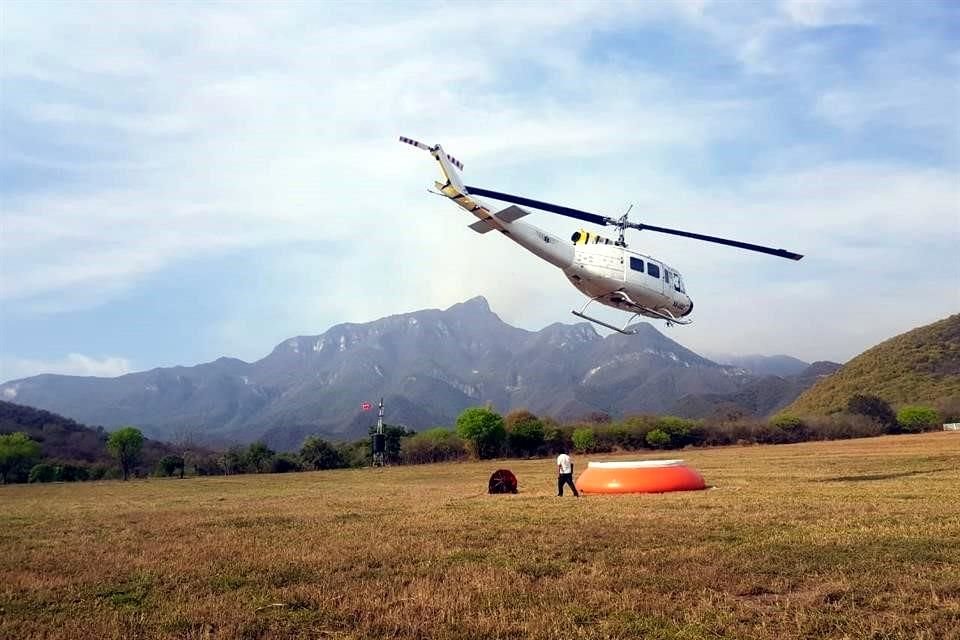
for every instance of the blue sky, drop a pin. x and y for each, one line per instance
(180, 182)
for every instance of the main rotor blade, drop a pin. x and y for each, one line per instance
(603, 220)
(545, 206)
(781, 253)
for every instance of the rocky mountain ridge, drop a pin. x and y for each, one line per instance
(428, 365)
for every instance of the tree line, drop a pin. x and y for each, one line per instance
(479, 433)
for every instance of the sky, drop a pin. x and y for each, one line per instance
(182, 181)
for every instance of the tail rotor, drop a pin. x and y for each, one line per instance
(433, 150)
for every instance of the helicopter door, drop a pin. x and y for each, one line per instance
(655, 278)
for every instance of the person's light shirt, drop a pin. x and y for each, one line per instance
(565, 464)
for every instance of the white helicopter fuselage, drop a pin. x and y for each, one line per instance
(603, 270)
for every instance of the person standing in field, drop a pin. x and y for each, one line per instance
(565, 473)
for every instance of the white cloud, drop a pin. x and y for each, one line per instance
(189, 131)
(73, 364)
(821, 13)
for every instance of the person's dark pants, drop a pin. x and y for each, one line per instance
(566, 478)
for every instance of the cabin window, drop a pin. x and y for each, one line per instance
(653, 270)
(636, 264)
(666, 276)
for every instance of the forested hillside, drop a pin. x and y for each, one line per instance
(921, 366)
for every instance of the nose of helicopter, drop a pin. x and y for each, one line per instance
(689, 309)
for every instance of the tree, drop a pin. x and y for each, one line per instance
(913, 419)
(125, 444)
(525, 432)
(170, 463)
(259, 455)
(483, 429)
(320, 454)
(873, 407)
(18, 453)
(234, 460)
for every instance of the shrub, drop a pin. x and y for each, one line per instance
(948, 408)
(658, 439)
(355, 454)
(74, 473)
(435, 445)
(793, 427)
(483, 429)
(632, 432)
(914, 419)
(840, 426)
(44, 473)
(170, 464)
(317, 453)
(873, 407)
(284, 463)
(206, 464)
(584, 440)
(557, 439)
(98, 471)
(678, 429)
(18, 453)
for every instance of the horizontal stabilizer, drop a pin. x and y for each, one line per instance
(511, 213)
(483, 226)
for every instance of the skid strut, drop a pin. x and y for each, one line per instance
(639, 311)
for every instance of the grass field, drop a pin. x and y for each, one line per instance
(850, 539)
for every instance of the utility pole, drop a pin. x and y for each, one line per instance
(379, 440)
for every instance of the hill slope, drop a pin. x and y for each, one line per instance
(920, 366)
(64, 440)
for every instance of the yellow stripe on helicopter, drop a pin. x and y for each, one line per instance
(585, 237)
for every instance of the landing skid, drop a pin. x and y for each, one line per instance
(624, 330)
(638, 310)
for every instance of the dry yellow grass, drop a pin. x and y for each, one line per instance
(853, 539)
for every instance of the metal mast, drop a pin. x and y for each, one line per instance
(378, 439)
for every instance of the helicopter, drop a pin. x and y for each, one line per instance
(604, 270)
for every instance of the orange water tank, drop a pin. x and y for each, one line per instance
(640, 476)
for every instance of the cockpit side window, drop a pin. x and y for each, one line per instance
(653, 270)
(636, 264)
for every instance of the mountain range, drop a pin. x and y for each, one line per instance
(428, 366)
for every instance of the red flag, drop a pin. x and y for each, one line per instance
(366, 406)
